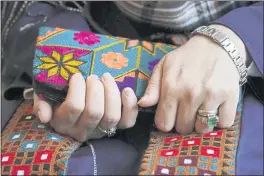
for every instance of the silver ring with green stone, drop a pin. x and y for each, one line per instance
(210, 120)
(204, 113)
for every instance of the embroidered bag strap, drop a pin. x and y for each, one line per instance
(32, 148)
(195, 154)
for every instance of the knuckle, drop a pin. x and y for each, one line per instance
(165, 127)
(225, 125)
(131, 124)
(128, 124)
(95, 115)
(192, 93)
(110, 119)
(183, 130)
(75, 108)
(187, 85)
(170, 89)
(211, 92)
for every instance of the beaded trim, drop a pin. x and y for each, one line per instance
(94, 158)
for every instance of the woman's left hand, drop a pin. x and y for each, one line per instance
(199, 75)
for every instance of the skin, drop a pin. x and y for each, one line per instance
(198, 75)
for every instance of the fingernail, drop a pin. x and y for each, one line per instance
(106, 76)
(143, 99)
(94, 76)
(77, 74)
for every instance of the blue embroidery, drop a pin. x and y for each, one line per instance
(162, 161)
(214, 160)
(192, 170)
(16, 136)
(181, 169)
(202, 158)
(214, 167)
(54, 137)
(203, 165)
(29, 146)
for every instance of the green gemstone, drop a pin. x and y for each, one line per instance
(211, 122)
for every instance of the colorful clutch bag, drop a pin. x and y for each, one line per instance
(61, 52)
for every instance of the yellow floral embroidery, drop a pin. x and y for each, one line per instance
(60, 65)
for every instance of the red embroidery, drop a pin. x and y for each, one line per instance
(214, 134)
(210, 151)
(192, 141)
(7, 158)
(167, 153)
(43, 156)
(172, 139)
(21, 170)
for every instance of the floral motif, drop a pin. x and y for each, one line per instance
(87, 38)
(114, 60)
(58, 64)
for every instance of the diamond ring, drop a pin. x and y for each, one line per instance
(110, 132)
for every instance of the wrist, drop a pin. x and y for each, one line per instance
(236, 40)
(229, 42)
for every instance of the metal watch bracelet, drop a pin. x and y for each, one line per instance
(228, 46)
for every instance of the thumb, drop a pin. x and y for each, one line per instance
(152, 93)
(42, 109)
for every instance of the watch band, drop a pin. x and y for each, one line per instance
(228, 46)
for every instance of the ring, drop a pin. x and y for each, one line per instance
(207, 113)
(209, 121)
(110, 132)
(210, 118)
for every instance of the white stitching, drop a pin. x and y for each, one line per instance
(94, 158)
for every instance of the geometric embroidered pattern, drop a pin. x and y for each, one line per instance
(32, 148)
(61, 52)
(195, 154)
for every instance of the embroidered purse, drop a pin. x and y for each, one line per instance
(61, 52)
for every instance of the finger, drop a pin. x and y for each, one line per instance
(227, 111)
(94, 108)
(130, 109)
(188, 106)
(166, 111)
(210, 104)
(42, 109)
(112, 111)
(68, 113)
(152, 92)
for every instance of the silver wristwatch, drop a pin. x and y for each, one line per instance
(228, 46)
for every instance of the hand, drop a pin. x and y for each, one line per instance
(89, 104)
(198, 75)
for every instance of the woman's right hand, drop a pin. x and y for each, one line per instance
(90, 104)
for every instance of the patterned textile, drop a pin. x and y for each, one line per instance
(60, 53)
(195, 154)
(177, 15)
(32, 148)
